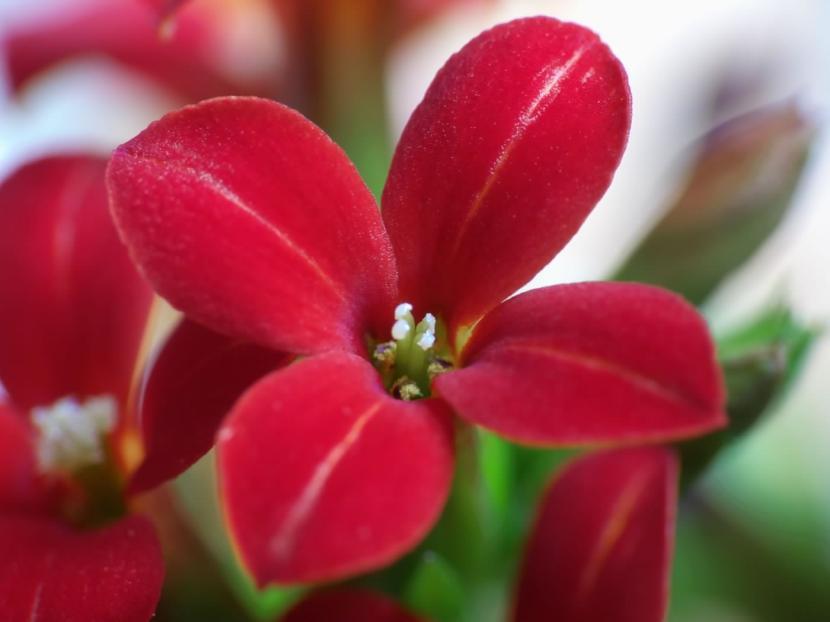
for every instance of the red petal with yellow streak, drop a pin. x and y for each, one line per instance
(515, 141)
(324, 475)
(590, 363)
(602, 544)
(248, 218)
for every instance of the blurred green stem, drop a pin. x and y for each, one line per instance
(342, 61)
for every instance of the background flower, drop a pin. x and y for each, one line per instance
(71, 324)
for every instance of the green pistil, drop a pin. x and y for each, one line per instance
(410, 361)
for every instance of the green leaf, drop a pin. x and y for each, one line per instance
(760, 361)
(434, 589)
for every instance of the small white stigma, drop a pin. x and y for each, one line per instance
(426, 340)
(71, 434)
(402, 309)
(400, 329)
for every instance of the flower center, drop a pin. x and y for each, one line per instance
(74, 456)
(410, 361)
(71, 435)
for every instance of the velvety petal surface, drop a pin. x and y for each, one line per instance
(345, 605)
(52, 573)
(19, 488)
(602, 545)
(185, 60)
(191, 385)
(324, 475)
(590, 363)
(515, 141)
(73, 306)
(253, 222)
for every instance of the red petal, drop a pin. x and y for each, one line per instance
(325, 475)
(589, 363)
(515, 141)
(191, 386)
(74, 308)
(247, 217)
(165, 8)
(51, 573)
(601, 548)
(19, 488)
(353, 605)
(126, 31)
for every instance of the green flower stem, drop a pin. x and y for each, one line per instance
(467, 534)
(342, 61)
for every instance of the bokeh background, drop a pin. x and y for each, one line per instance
(730, 129)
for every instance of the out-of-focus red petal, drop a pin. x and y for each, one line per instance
(516, 140)
(324, 475)
(348, 605)
(165, 8)
(73, 306)
(602, 545)
(191, 386)
(51, 573)
(590, 363)
(252, 221)
(186, 61)
(19, 487)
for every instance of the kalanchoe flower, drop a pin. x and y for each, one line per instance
(71, 322)
(249, 219)
(602, 544)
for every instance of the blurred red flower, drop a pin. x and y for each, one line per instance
(72, 317)
(195, 54)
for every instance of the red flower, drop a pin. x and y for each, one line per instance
(71, 321)
(249, 219)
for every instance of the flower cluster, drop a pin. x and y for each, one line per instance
(332, 349)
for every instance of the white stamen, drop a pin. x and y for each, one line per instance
(402, 309)
(430, 321)
(426, 340)
(400, 329)
(71, 434)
